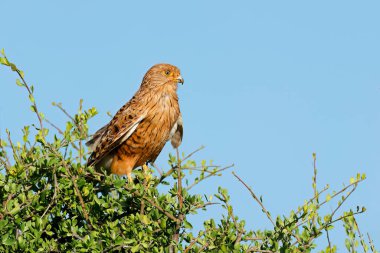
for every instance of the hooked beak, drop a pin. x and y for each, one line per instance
(180, 79)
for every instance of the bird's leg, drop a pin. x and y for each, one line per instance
(146, 172)
(130, 179)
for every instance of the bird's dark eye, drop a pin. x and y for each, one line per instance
(167, 72)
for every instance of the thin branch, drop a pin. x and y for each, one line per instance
(207, 204)
(6, 162)
(73, 179)
(192, 153)
(360, 235)
(316, 195)
(371, 243)
(158, 169)
(255, 198)
(136, 193)
(253, 238)
(64, 111)
(342, 190)
(201, 233)
(181, 216)
(209, 175)
(77, 191)
(15, 153)
(312, 199)
(54, 195)
(343, 200)
(79, 125)
(328, 239)
(51, 124)
(255, 249)
(169, 215)
(179, 192)
(33, 102)
(204, 247)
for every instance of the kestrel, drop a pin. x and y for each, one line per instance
(139, 130)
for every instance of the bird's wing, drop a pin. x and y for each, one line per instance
(94, 141)
(177, 132)
(116, 132)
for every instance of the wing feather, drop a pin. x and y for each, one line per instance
(121, 127)
(176, 133)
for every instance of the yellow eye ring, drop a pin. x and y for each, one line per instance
(167, 72)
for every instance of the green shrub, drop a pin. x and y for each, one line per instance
(52, 202)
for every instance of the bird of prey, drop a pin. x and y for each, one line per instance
(139, 130)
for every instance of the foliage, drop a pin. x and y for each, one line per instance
(52, 202)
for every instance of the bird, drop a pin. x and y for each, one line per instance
(139, 130)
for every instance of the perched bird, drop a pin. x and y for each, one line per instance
(139, 130)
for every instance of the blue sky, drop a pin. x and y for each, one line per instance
(267, 84)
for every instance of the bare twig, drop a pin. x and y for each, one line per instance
(371, 243)
(59, 105)
(51, 124)
(316, 195)
(192, 153)
(256, 198)
(328, 239)
(158, 169)
(361, 236)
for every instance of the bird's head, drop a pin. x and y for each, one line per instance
(162, 75)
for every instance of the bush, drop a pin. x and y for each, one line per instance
(52, 202)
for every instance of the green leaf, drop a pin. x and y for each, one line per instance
(6, 240)
(4, 61)
(19, 83)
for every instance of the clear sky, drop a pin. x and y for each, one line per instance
(267, 83)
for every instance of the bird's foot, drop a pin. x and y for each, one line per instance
(146, 172)
(130, 179)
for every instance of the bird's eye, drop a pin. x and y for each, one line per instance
(167, 72)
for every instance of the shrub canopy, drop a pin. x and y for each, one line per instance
(52, 202)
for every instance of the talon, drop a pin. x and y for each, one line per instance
(146, 172)
(130, 179)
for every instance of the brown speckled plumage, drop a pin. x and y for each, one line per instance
(140, 129)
